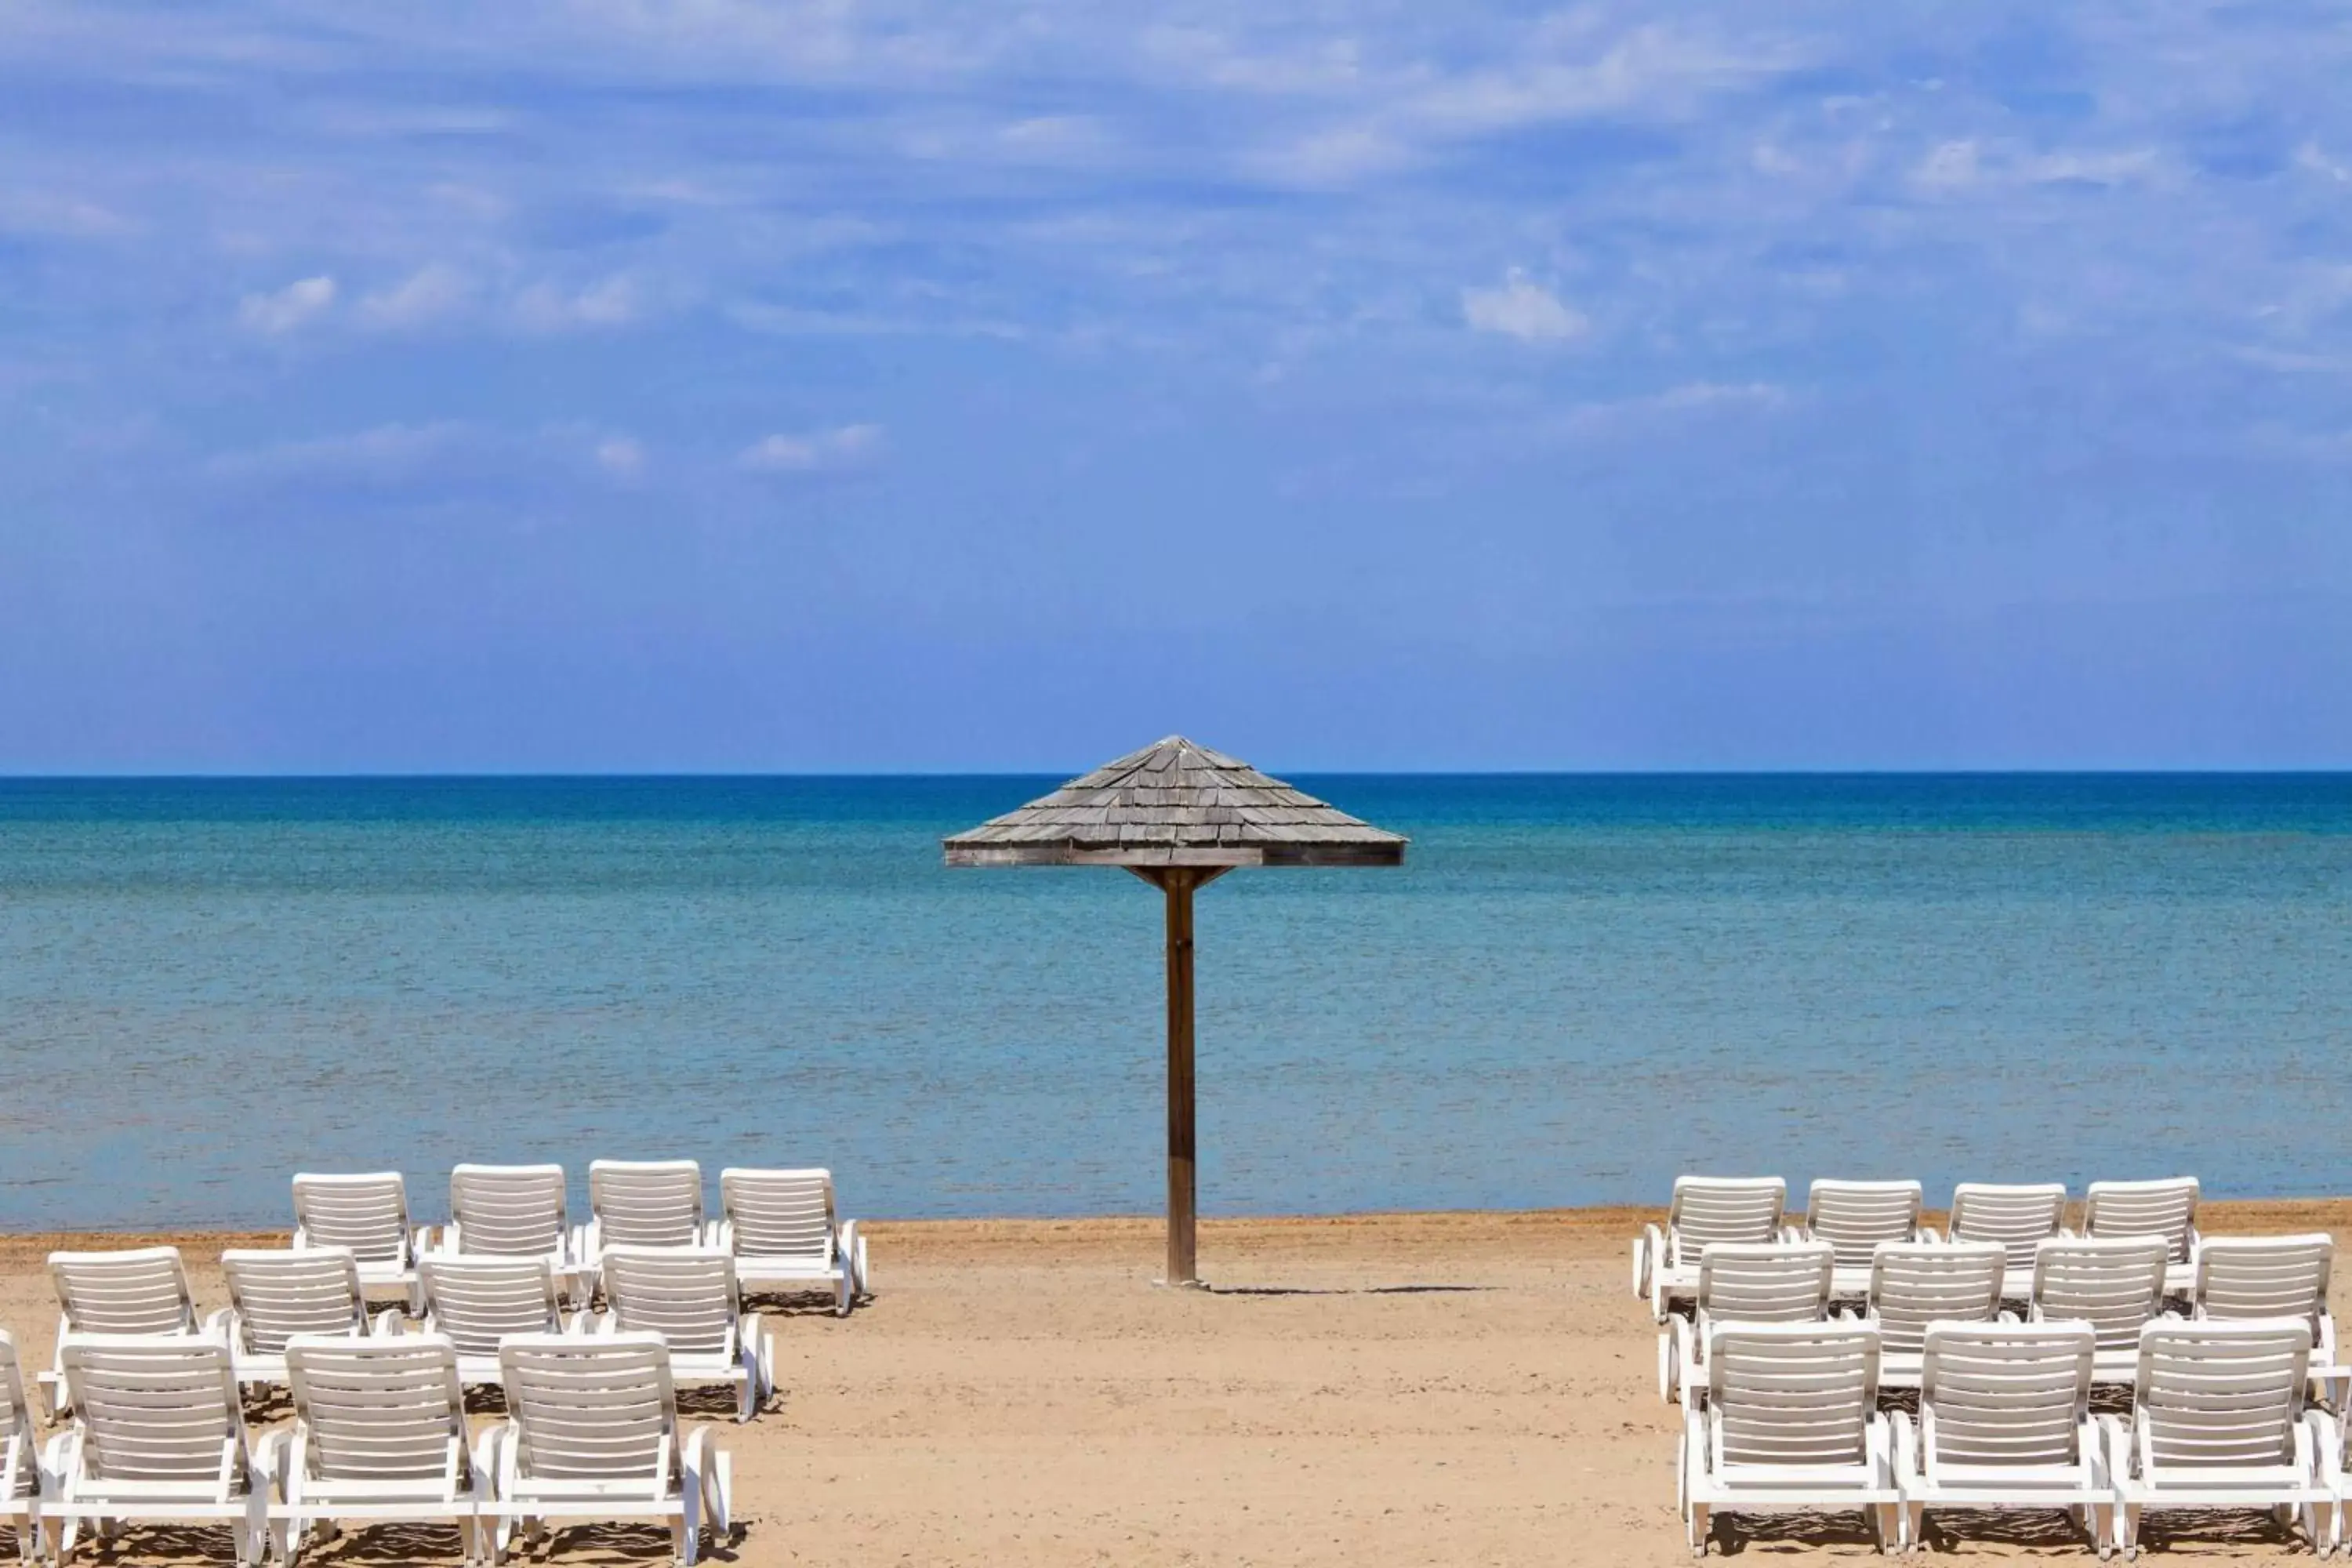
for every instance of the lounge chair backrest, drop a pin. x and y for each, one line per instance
(1916, 1283)
(646, 1203)
(1709, 1209)
(2115, 1286)
(686, 1295)
(2166, 1208)
(2004, 1393)
(1855, 1217)
(2264, 1277)
(1741, 1282)
(2019, 1217)
(2221, 1394)
(16, 1415)
(507, 1211)
(277, 1295)
(477, 1301)
(381, 1409)
(779, 1214)
(600, 1408)
(1791, 1394)
(366, 1212)
(152, 1408)
(140, 1291)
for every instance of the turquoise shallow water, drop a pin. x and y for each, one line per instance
(1575, 987)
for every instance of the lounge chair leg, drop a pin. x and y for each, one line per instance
(1699, 1524)
(2128, 1532)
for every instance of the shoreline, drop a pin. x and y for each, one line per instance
(1577, 1232)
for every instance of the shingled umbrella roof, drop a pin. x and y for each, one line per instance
(1180, 816)
(1176, 803)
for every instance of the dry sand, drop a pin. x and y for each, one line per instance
(1388, 1389)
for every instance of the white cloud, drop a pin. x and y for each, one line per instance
(299, 302)
(814, 451)
(1522, 308)
(1951, 166)
(623, 457)
(384, 455)
(1676, 403)
(426, 296)
(545, 308)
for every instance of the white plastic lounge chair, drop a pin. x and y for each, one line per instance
(2019, 1217)
(1776, 1282)
(477, 1303)
(378, 1434)
(594, 1433)
(2005, 1423)
(512, 1211)
(1790, 1422)
(689, 1297)
(644, 1203)
(1855, 1218)
(2218, 1421)
(2242, 1277)
(20, 1455)
(2117, 1285)
(157, 1435)
(785, 1235)
(2166, 1208)
(1704, 1209)
(1916, 1283)
(143, 1291)
(275, 1295)
(368, 1214)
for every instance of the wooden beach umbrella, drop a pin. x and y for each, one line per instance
(1179, 816)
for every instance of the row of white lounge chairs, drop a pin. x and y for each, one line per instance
(378, 1433)
(502, 1294)
(1796, 1330)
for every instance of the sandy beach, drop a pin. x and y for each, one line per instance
(1475, 1388)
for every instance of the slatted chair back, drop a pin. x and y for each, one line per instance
(2220, 1395)
(686, 1295)
(20, 1438)
(477, 1303)
(2004, 1394)
(1791, 1394)
(365, 1213)
(155, 1409)
(279, 1294)
(1705, 1210)
(1855, 1217)
(1916, 1283)
(1782, 1282)
(591, 1409)
(779, 1214)
(646, 1203)
(143, 1290)
(507, 1211)
(2116, 1286)
(2240, 1277)
(2019, 1217)
(384, 1409)
(2166, 1208)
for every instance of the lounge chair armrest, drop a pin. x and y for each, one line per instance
(2328, 1435)
(301, 1242)
(1648, 1247)
(590, 1323)
(1929, 1233)
(1878, 1441)
(2117, 1439)
(2006, 1316)
(220, 1324)
(1792, 1233)
(1906, 1449)
(391, 1321)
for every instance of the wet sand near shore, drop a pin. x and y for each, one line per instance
(1470, 1388)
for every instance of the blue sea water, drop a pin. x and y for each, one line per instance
(1575, 987)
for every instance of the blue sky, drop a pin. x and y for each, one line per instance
(614, 384)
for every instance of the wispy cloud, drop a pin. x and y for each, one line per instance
(832, 450)
(1521, 307)
(284, 310)
(432, 293)
(548, 307)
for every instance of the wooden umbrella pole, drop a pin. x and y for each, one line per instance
(1179, 883)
